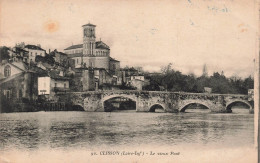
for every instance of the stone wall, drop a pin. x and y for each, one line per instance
(169, 101)
(88, 80)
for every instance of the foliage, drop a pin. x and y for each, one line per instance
(47, 59)
(4, 54)
(173, 80)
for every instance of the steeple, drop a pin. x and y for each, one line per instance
(89, 39)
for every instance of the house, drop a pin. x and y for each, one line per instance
(139, 82)
(18, 86)
(139, 77)
(207, 90)
(52, 83)
(60, 58)
(34, 51)
(18, 54)
(114, 66)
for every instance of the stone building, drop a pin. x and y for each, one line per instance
(60, 58)
(138, 82)
(26, 53)
(50, 84)
(34, 51)
(94, 66)
(18, 54)
(92, 53)
(18, 86)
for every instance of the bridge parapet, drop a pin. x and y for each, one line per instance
(170, 101)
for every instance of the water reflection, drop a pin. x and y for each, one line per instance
(91, 130)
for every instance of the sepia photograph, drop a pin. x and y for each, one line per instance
(129, 81)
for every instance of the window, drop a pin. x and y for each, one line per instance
(7, 71)
(55, 85)
(64, 85)
(7, 93)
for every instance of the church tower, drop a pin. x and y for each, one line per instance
(89, 40)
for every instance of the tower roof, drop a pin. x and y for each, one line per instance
(89, 25)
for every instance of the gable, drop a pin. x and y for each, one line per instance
(12, 69)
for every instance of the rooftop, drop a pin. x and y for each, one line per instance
(99, 45)
(33, 47)
(74, 47)
(4, 80)
(89, 25)
(112, 59)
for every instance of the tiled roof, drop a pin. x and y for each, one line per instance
(20, 65)
(18, 50)
(112, 59)
(101, 45)
(33, 47)
(89, 25)
(11, 78)
(74, 47)
(39, 71)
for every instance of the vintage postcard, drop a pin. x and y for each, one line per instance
(129, 81)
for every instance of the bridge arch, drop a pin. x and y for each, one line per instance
(185, 104)
(153, 107)
(109, 97)
(105, 98)
(232, 103)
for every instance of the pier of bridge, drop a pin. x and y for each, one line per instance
(93, 101)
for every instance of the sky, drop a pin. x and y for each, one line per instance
(187, 33)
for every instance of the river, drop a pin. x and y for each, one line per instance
(93, 131)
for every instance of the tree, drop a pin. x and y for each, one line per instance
(4, 54)
(248, 84)
(166, 69)
(47, 59)
(205, 71)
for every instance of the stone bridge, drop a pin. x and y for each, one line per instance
(93, 101)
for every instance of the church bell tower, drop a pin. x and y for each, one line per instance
(89, 40)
